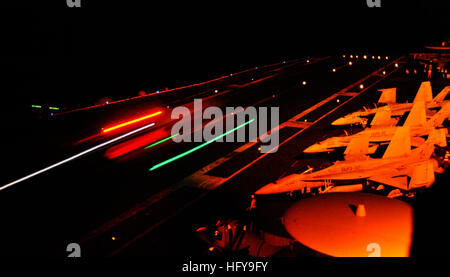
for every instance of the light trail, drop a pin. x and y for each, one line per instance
(130, 122)
(161, 141)
(77, 156)
(133, 144)
(200, 146)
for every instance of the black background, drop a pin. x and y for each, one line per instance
(53, 54)
(50, 53)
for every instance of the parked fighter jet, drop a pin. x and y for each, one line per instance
(400, 167)
(416, 120)
(388, 97)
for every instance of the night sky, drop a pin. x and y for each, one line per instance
(115, 48)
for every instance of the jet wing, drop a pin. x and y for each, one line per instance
(419, 175)
(422, 175)
(398, 182)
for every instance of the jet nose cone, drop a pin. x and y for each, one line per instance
(267, 189)
(313, 149)
(349, 120)
(283, 185)
(339, 121)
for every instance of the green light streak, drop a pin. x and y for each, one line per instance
(36, 106)
(161, 141)
(54, 108)
(200, 146)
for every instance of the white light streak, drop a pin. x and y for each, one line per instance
(76, 156)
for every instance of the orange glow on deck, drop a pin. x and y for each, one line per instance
(123, 124)
(349, 224)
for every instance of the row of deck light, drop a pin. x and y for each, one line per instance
(364, 57)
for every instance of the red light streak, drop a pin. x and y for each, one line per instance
(109, 129)
(135, 143)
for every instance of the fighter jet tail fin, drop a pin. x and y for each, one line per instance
(424, 151)
(438, 137)
(438, 118)
(441, 96)
(424, 93)
(400, 144)
(422, 175)
(382, 118)
(417, 116)
(417, 141)
(388, 96)
(357, 149)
